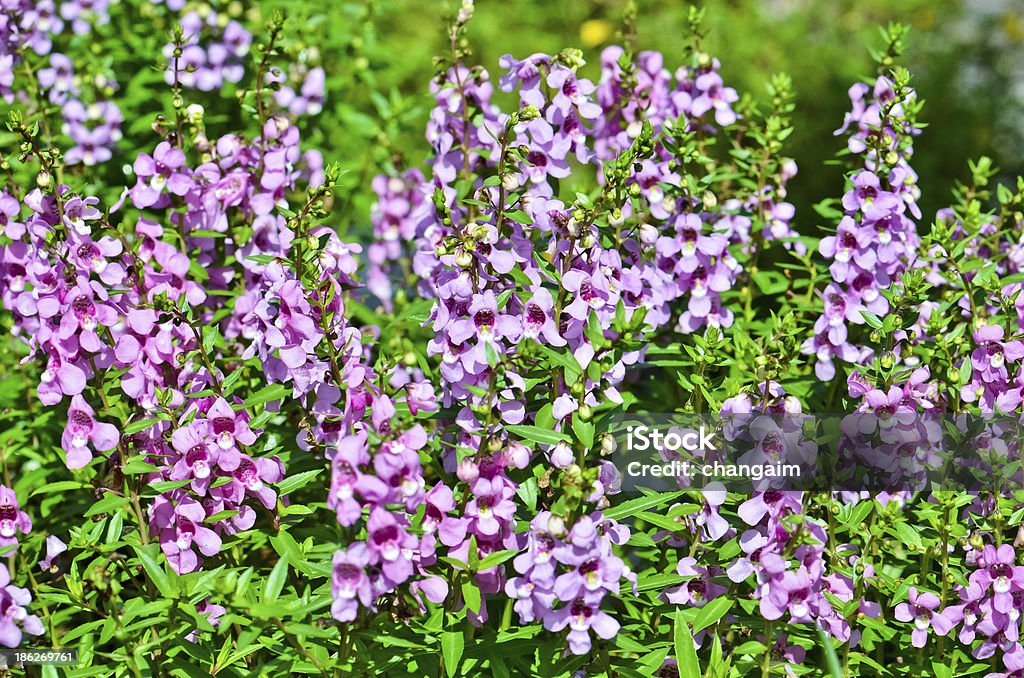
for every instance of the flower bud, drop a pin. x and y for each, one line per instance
(518, 455)
(556, 526)
(464, 259)
(467, 471)
(43, 179)
(608, 444)
(528, 113)
(586, 412)
(194, 112)
(561, 455)
(887, 360)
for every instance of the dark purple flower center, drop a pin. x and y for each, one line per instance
(79, 422)
(385, 535)
(590, 566)
(223, 425)
(247, 473)
(537, 159)
(82, 307)
(88, 252)
(1000, 571)
(197, 453)
(587, 292)
(484, 319)
(535, 316)
(581, 609)
(349, 573)
(772, 445)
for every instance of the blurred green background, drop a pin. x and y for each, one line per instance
(967, 58)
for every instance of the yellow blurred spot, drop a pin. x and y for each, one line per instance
(1011, 23)
(595, 31)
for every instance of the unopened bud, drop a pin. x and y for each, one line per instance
(556, 526)
(528, 113)
(561, 455)
(464, 259)
(467, 471)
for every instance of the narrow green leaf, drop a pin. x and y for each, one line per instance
(452, 645)
(686, 650)
(275, 582)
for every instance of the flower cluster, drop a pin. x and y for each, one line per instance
(876, 240)
(211, 54)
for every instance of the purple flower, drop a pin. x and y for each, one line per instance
(180, 528)
(82, 430)
(14, 617)
(54, 547)
(12, 518)
(350, 586)
(921, 609)
(582, 616)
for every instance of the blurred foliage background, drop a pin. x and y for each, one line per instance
(967, 58)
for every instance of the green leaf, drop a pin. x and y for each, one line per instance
(268, 394)
(835, 670)
(871, 319)
(686, 650)
(137, 426)
(771, 282)
(452, 645)
(496, 558)
(537, 434)
(712, 612)
(635, 506)
(275, 582)
(471, 594)
(108, 504)
(156, 574)
(292, 483)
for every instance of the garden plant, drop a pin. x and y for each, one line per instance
(264, 415)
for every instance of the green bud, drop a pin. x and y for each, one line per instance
(464, 259)
(887, 360)
(528, 113)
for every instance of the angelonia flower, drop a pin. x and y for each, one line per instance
(54, 547)
(95, 129)
(12, 519)
(32, 25)
(212, 54)
(15, 620)
(876, 239)
(307, 97)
